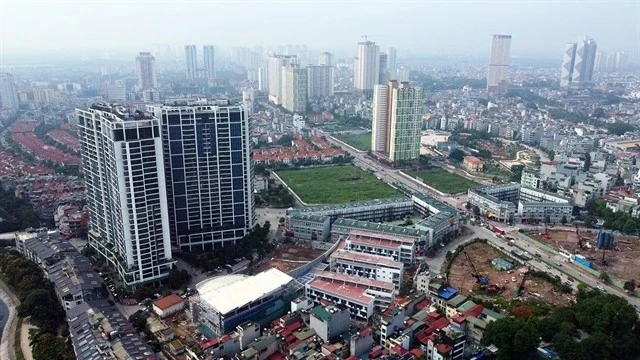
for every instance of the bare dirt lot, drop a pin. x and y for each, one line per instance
(288, 257)
(481, 255)
(621, 262)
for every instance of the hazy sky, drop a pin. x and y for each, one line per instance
(539, 28)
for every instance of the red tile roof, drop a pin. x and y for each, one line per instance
(167, 301)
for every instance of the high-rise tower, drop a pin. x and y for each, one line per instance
(326, 59)
(208, 53)
(276, 67)
(497, 77)
(366, 70)
(126, 192)
(8, 93)
(191, 57)
(146, 71)
(391, 61)
(578, 62)
(208, 172)
(295, 89)
(397, 120)
(320, 82)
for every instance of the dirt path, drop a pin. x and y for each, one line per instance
(7, 350)
(24, 338)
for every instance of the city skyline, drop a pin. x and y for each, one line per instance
(516, 19)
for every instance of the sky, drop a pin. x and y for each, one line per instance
(436, 28)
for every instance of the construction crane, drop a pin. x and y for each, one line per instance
(483, 280)
(521, 286)
(578, 235)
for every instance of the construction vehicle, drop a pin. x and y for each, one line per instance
(481, 279)
(546, 231)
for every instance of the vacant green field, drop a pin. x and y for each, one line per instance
(335, 184)
(444, 181)
(359, 141)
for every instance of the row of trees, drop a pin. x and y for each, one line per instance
(37, 300)
(17, 213)
(621, 221)
(276, 196)
(597, 326)
(257, 240)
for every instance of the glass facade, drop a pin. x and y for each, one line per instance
(207, 154)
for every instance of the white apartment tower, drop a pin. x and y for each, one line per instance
(191, 57)
(276, 69)
(578, 62)
(295, 89)
(126, 192)
(326, 59)
(208, 53)
(8, 93)
(397, 120)
(391, 61)
(497, 77)
(146, 71)
(320, 81)
(366, 69)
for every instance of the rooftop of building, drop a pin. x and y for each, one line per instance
(372, 260)
(343, 290)
(382, 228)
(119, 112)
(98, 328)
(230, 292)
(357, 204)
(352, 279)
(168, 301)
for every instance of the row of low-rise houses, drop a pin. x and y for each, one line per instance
(96, 327)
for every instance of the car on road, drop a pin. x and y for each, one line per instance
(600, 288)
(558, 263)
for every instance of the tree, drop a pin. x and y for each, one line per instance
(563, 221)
(178, 279)
(143, 292)
(516, 173)
(476, 210)
(457, 155)
(629, 285)
(44, 309)
(604, 277)
(467, 206)
(551, 154)
(629, 226)
(516, 338)
(587, 161)
(48, 346)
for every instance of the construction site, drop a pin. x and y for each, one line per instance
(619, 262)
(287, 257)
(484, 271)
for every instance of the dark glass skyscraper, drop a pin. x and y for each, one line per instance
(207, 159)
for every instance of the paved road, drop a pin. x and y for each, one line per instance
(546, 263)
(7, 349)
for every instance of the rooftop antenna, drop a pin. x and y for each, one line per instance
(364, 37)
